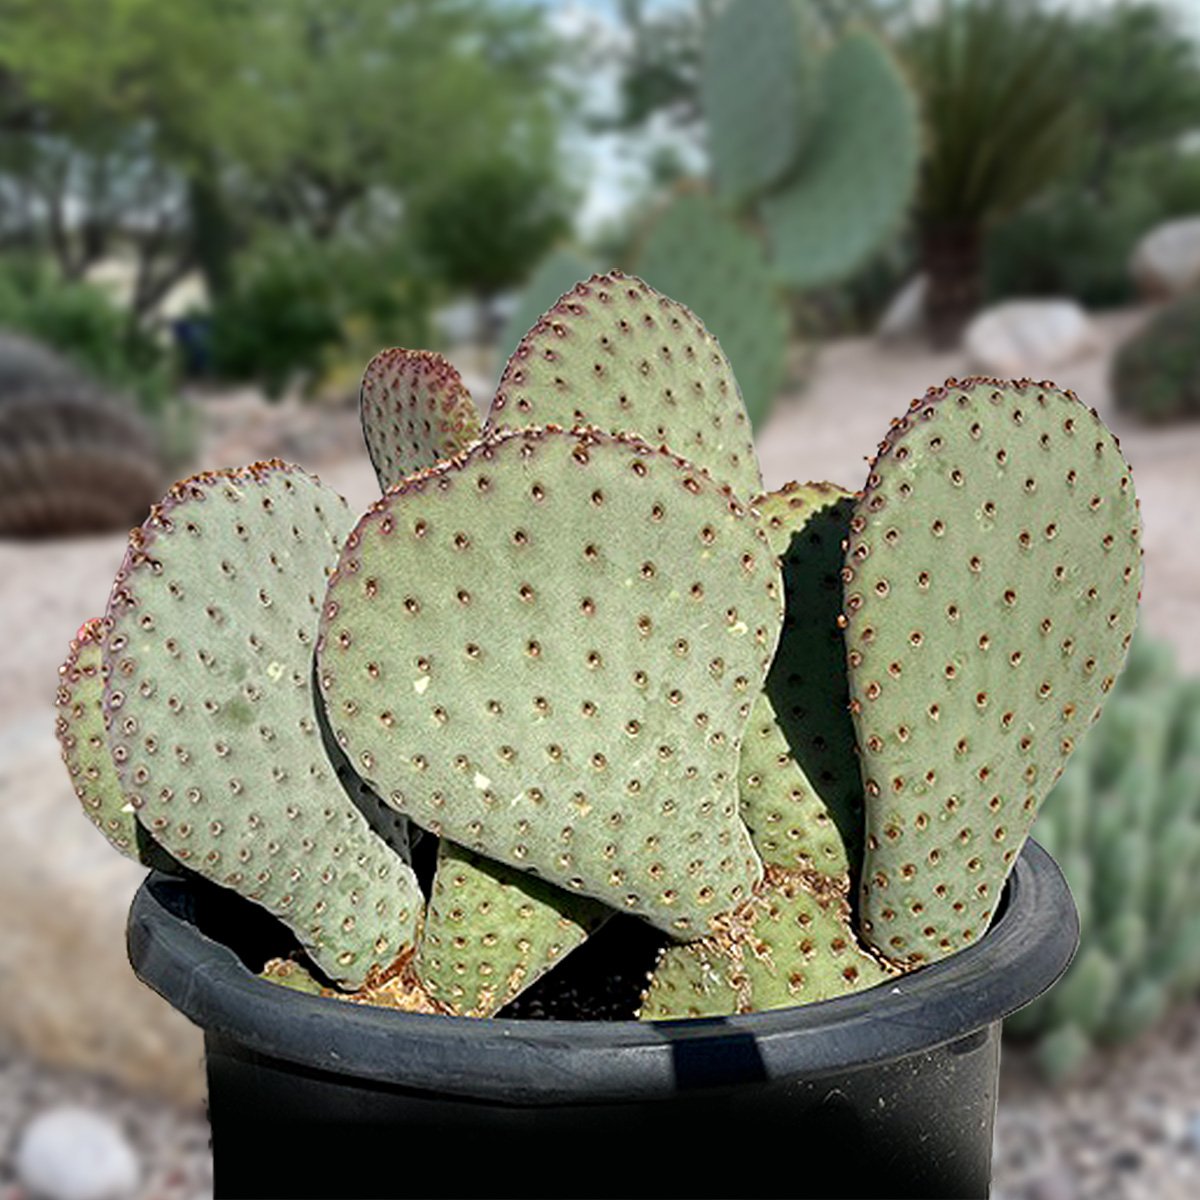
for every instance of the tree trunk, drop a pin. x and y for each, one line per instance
(953, 261)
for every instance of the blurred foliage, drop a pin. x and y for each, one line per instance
(202, 135)
(1138, 75)
(1003, 119)
(82, 323)
(1156, 374)
(297, 307)
(484, 229)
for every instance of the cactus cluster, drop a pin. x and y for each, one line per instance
(797, 738)
(72, 458)
(813, 143)
(1124, 824)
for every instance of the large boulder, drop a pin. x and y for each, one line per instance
(1166, 262)
(1028, 337)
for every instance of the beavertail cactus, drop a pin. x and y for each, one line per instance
(616, 354)
(992, 579)
(519, 651)
(791, 944)
(89, 761)
(795, 739)
(208, 663)
(492, 931)
(415, 411)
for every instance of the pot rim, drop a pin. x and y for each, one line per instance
(553, 1062)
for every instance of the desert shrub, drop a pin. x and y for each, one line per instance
(1156, 374)
(295, 303)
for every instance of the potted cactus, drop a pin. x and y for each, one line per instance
(575, 723)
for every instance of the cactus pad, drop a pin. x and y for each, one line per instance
(707, 261)
(79, 726)
(616, 354)
(547, 650)
(789, 823)
(415, 412)
(992, 578)
(492, 931)
(855, 180)
(760, 91)
(800, 783)
(208, 696)
(791, 944)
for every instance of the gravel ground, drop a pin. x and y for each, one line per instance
(1127, 1129)
(170, 1143)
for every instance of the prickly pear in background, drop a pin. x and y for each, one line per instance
(991, 587)
(616, 354)
(856, 177)
(80, 730)
(415, 411)
(547, 650)
(208, 663)
(792, 943)
(760, 89)
(491, 931)
(702, 258)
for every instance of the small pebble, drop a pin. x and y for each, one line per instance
(71, 1153)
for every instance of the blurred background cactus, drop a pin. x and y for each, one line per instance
(1124, 824)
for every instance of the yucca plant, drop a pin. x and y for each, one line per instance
(1002, 120)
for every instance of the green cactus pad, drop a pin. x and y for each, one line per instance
(393, 827)
(492, 931)
(788, 821)
(851, 189)
(759, 86)
(415, 412)
(616, 354)
(791, 944)
(556, 274)
(79, 726)
(547, 650)
(208, 663)
(991, 588)
(705, 260)
(806, 812)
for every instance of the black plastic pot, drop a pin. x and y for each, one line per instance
(890, 1092)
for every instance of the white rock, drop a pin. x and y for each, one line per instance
(1166, 262)
(904, 317)
(1026, 337)
(70, 1153)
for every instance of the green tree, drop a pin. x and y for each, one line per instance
(486, 228)
(181, 131)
